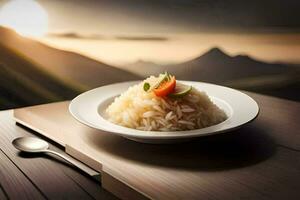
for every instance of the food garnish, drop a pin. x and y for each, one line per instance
(146, 86)
(166, 86)
(161, 78)
(180, 91)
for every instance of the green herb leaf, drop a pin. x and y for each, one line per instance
(146, 86)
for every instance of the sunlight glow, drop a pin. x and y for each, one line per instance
(27, 17)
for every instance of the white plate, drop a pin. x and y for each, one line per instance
(89, 109)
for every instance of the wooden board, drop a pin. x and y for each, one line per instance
(250, 163)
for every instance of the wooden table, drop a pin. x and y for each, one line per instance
(271, 169)
(39, 177)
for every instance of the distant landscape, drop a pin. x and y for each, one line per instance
(34, 73)
(240, 72)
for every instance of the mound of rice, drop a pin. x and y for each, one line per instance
(142, 110)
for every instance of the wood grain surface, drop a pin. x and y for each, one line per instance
(259, 161)
(14, 182)
(24, 176)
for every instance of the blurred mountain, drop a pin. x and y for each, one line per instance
(34, 73)
(213, 66)
(143, 68)
(217, 67)
(69, 67)
(22, 83)
(241, 72)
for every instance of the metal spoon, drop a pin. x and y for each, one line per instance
(36, 145)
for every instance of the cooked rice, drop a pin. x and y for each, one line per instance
(142, 110)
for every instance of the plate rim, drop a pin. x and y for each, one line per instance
(167, 135)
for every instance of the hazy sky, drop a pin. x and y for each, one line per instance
(170, 31)
(165, 16)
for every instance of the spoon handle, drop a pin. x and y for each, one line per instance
(96, 175)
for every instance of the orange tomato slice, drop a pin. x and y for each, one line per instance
(165, 88)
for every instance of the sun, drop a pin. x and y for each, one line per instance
(27, 17)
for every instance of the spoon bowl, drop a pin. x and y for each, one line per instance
(30, 144)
